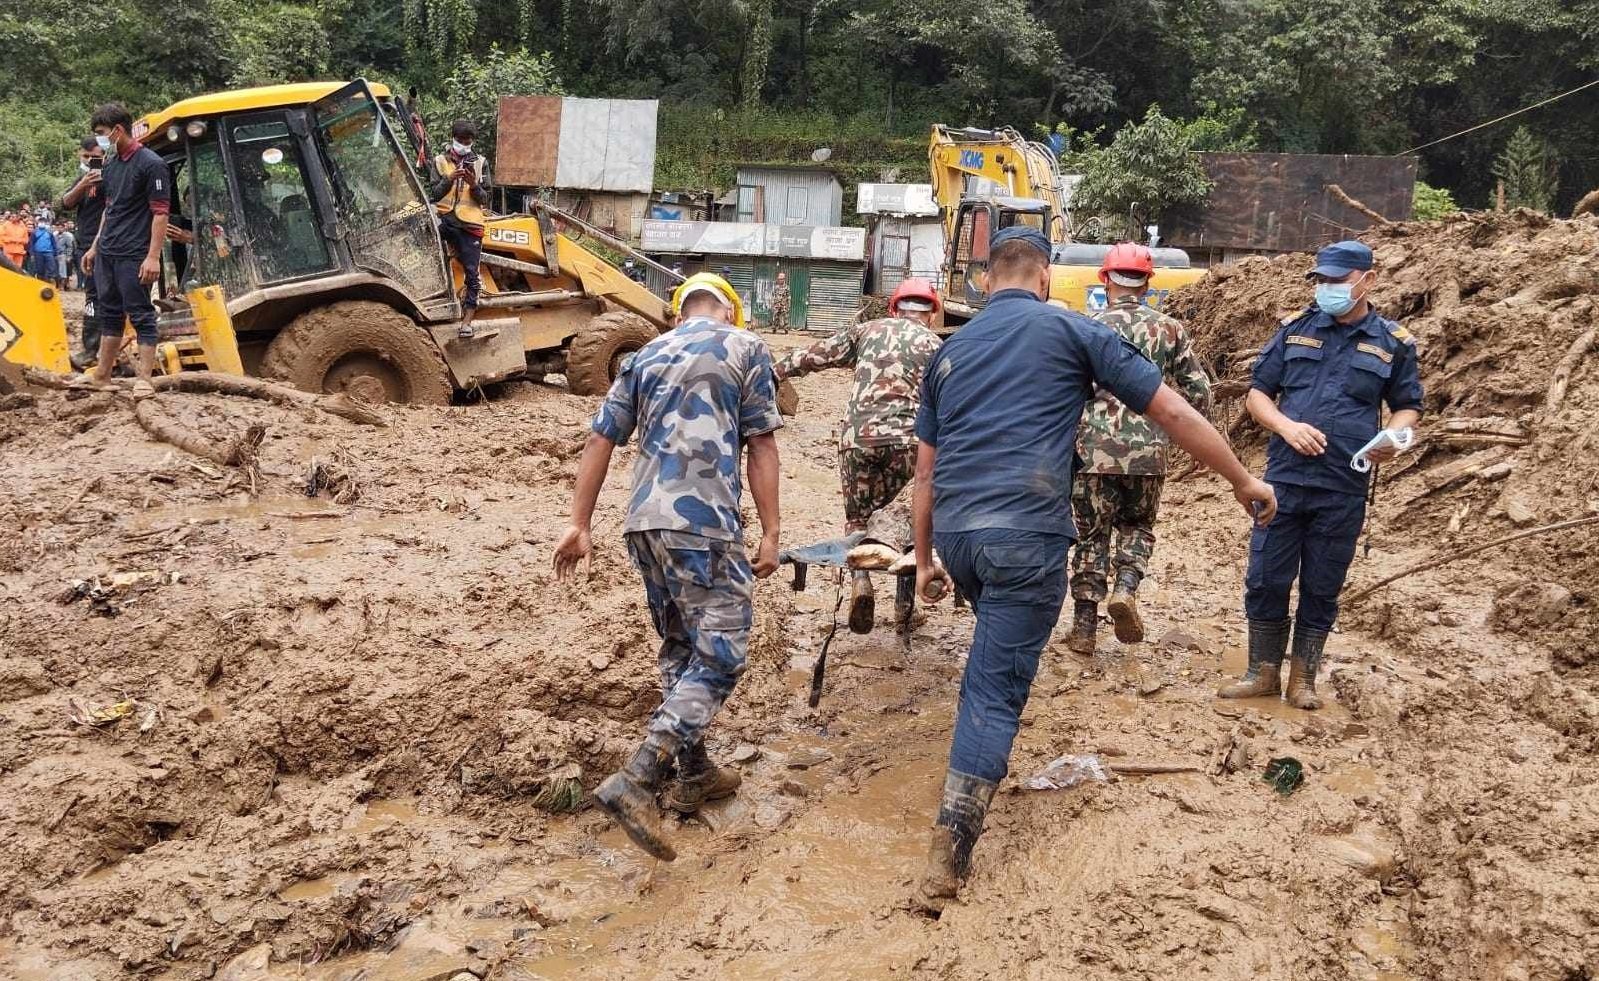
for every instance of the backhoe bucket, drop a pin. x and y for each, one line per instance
(33, 330)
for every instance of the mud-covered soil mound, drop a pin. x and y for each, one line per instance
(1505, 310)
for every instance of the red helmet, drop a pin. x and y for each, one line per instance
(914, 289)
(1127, 257)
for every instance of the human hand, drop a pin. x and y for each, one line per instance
(766, 556)
(932, 582)
(88, 262)
(92, 178)
(574, 545)
(1383, 453)
(1258, 499)
(149, 270)
(180, 235)
(1305, 439)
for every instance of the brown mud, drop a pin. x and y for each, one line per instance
(355, 726)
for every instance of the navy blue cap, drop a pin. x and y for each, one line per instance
(1031, 236)
(1340, 259)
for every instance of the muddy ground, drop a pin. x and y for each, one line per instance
(355, 723)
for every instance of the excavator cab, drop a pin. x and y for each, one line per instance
(976, 223)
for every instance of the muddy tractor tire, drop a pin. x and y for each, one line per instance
(367, 350)
(594, 358)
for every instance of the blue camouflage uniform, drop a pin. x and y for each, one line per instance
(695, 395)
(1335, 377)
(1000, 402)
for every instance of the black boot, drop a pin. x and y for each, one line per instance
(628, 796)
(1123, 607)
(1085, 624)
(699, 780)
(1309, 643)
(862, 602)
(1268, 641)
(949, 854)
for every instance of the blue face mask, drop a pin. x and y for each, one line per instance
(104, 141)
(1336, 299)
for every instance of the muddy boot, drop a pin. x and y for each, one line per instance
(1309, 643)
(1123, 608)
(699, 780)
(1267, 642)
(862, 603)
(904, 601)
(1085, 623)
(949, 855)
(628, 796)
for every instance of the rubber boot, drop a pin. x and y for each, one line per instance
(949, 854)
(862, 603)
(1309, 642)
(1123, 608)
(1268, 640)
(1085, 623)
(628, 796)
(699, 780)
(904, 601)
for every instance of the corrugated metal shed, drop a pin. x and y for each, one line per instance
(790, 196)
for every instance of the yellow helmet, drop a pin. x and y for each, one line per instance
(702, 282)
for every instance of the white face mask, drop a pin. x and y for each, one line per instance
(461, 149)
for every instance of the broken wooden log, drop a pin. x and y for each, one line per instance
(1359, 205)
(1454, 471)
(1467, 552)
(206, 382)
(240, 451)
(1561, 379)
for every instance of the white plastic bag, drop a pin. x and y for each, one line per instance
(1400, 439)
(1069, 771)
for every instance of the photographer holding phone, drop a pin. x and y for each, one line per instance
(460, 195)
(86, 198)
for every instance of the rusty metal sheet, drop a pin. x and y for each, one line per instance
(1279, 201)
(528, 141)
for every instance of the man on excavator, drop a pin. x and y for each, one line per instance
(877, 444)
(1116, 494)
(460, 195)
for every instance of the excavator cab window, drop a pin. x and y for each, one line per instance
(275, 199)
(974, 226)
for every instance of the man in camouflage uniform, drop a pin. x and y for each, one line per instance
(877, 445)
(697, 396)
(780, 303)
(1117, 491)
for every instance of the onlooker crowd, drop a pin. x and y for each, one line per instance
(40, 244)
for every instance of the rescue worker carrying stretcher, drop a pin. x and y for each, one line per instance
(1319, 387)
(877, 444)
(1116, 494)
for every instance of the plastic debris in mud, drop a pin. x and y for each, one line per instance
(1068, 771)
(1285, 774)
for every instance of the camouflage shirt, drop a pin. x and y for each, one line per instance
(695, 395)
(1114, 439)
(888, 356)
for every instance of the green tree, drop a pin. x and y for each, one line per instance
(474, 89)
(1148, 170)
(1528, 170)
(1430, 203)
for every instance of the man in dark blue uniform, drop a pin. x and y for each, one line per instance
(997, 428)
(1319, 388)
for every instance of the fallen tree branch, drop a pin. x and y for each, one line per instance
(1131, 769)
(1350, 202)
(1473, 550)
(1559, 381)
(210, 383)
(237, 452)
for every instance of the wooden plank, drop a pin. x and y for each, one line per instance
(528, 141)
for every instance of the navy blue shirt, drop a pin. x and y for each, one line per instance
(91, 205)
(137, 188)
(1335, 377)
(1001, 401)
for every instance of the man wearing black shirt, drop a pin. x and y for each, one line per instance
(126, 255)
(87, 198)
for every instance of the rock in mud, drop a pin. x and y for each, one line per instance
(746, 753)
(22, 678)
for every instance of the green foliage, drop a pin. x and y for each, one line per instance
(281, 43)
(1429, 203)
(1148, 170)
(1528, 170)
(473, 91)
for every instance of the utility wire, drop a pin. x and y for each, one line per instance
(1535, 105)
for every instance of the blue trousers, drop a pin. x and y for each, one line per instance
(1312, 538)
(1016, 582)
(468, 249)
(701, 593)
(118, 294)
(91, 322)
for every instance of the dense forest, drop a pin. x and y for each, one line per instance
(775, 79)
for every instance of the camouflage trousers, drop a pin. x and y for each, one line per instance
(1115, 517)
(780, 315)
(872, 478)
(701, 595)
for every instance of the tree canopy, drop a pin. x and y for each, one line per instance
(1296, 75)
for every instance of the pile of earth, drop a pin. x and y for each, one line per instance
(1505, 310)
